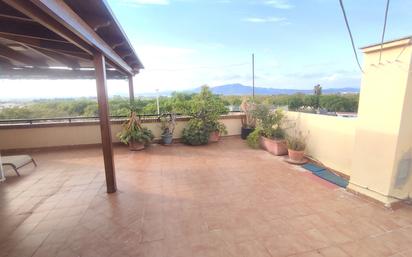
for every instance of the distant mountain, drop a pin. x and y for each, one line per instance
(239, 89)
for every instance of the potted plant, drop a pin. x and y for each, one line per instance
(133, 134)
(248, 120)
(272, 134)
(253, 139)
(195, 133)
(296, 147)
(204, 109)
(216, 129)
(168, 124)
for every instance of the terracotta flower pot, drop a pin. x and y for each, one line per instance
(136, 146)
(296, 156)
(274, 146)
(214, 137)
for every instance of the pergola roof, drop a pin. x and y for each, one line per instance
(57, 39)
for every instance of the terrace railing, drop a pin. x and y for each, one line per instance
(78, 119)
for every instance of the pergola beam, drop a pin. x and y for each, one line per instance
(97, 23)
(30, 10)
(14, 18)
(44, 43)
(22, 59)
(58, 58)
(31, 28)
(71, 20)
(10, 72)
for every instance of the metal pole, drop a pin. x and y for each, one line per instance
(157, 101)
(131, 89)
(253, 76)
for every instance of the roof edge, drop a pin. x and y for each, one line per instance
(386, 42)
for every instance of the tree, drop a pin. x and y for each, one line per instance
(295, 102)
(205, 109)
(317, 91)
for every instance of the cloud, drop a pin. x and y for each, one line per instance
(265, 20)
(145, 2)
(279, 4)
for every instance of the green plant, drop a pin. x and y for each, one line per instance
(248, 121)
(132, 130)
(296, 142)
(214, 126)
(278, 133)
(205, 109)
(168, 124)
(196, 132)
(253, 139)
(270, 122)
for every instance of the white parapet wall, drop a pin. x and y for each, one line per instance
(330, 139)
(36, 136)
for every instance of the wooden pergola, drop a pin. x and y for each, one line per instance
(68, 39)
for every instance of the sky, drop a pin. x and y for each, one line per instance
(188, 43)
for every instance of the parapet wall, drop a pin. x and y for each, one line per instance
(45, 135)
(330, 139)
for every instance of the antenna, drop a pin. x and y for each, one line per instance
(253, 76)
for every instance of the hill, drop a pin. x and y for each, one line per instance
(239, 89)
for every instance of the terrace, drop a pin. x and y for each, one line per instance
(223, 199)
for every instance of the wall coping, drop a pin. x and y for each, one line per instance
(96, 122)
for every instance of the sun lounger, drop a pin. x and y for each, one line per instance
(17, 161)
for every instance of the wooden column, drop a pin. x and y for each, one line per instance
(100, 68)
(131, 89)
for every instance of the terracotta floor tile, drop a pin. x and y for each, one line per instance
(223, 200)
(250, 249)
(332, 252)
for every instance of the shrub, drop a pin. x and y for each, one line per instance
(205, 109)
(196, 132)
(168, 124)
(213, 126)
(270, 122)
(253, 139)
(297, 142)
(248, 121)
(132, 130)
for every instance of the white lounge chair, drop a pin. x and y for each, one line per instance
(17, 161)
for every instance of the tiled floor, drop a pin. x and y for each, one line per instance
(220, 200)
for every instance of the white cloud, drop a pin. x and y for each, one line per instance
(279, 4)
(264, 20)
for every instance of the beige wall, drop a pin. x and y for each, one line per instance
(76, 134)
(330, 139)
(383, 134)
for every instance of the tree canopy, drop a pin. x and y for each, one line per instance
(177, 102)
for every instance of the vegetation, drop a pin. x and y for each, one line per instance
(253, 138)
(331, 103)
(196, 132)
(270, 122)
(205, 109)
(177, 103)
(248, 121)
(168, 124)
(296, 142)
(132, 130)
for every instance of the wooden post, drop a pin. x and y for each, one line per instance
(100, 68)
(131, 89)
